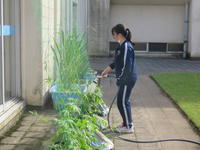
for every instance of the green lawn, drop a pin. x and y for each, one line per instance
(184, 89)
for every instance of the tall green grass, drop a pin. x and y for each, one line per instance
(71, 58)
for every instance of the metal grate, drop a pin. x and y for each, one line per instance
(175, 47)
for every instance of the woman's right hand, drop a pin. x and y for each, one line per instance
(106, 71)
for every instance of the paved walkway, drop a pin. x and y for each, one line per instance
(149, 65)
(31, 132)
(155, 116)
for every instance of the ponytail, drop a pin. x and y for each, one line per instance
(129, 36)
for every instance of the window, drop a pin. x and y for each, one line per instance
(140, 47)
(175, 47)
(157, 47)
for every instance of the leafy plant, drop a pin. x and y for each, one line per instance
(77, 122)
(89, 101)
(75, 130)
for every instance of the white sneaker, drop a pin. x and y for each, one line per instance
(121, 125)
(125, 130)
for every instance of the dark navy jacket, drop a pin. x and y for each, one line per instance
(124, 64)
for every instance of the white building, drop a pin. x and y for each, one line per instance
(158, 26)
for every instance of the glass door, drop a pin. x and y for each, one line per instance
(9, 53)
(9, 50)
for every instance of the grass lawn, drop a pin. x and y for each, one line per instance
(184, 89)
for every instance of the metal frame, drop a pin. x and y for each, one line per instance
(147, 50)
(74, 3)
(2, 54)
(67, 14)
(17, 47)
(67, 21)
(186, 29)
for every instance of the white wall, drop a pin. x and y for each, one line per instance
(150, 23)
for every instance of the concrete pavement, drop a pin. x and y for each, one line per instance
(155, 117)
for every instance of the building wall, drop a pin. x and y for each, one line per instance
(41, 20)
(150, 23)
(194, 32)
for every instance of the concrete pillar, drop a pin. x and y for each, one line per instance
(99, 14)
(31, 54)
(194, 35)
(40, 22)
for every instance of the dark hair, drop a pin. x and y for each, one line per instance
(119, 28)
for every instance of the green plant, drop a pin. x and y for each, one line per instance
(71, 59)
(75, 130)
(77, 121)
(89, 101)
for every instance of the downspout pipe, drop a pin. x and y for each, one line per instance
(186, 31)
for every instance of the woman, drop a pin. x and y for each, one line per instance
(125, 70)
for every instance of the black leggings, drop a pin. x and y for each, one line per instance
(124, 103)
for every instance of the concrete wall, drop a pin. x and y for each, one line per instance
(150, 23)
(194, 32)
(98, 27)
